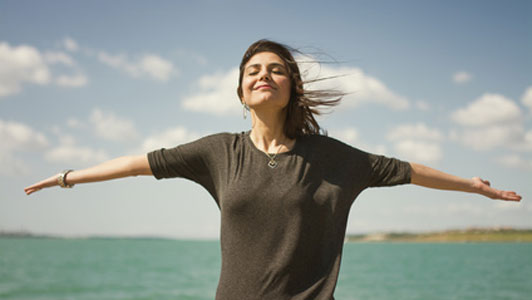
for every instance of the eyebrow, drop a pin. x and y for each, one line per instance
(275, 64)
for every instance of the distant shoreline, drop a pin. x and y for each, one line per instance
(475, 235)
(30, 235)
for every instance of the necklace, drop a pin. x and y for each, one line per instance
(273, 163)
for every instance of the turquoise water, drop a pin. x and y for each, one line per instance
(170, 269)
(436, 271)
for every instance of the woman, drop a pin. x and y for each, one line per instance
(283, 189)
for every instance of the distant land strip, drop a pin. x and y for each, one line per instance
(509, 235)
(464, 236)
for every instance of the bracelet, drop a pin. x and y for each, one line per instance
(61, 179)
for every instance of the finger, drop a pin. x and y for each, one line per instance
(507, 196)
(511, 196)
(49, 182)
(33, 188)
(36, 187)
(30, 187)
(501, 195)
(30, 190)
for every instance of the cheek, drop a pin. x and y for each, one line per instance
(246, 87)
(285, 86)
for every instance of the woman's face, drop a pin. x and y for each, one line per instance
(265, 83)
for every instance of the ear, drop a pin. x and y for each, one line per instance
(239, 92)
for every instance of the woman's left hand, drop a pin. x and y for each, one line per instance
(483, 187)
(432, 178)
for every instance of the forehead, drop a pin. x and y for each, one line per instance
(265, 58)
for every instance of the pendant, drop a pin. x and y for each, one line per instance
(272, 164)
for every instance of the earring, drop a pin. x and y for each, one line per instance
(245, 109)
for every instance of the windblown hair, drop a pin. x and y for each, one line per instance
(303, 104)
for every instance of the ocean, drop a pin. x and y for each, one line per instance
(46, 269)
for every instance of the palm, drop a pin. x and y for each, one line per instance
(485, 189)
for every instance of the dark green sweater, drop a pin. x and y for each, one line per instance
(282, 229)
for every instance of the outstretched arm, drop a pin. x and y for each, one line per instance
(431, 178)
(117, 168)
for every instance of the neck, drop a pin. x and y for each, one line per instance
(267, 132)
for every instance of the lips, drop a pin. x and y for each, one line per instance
(264, 86)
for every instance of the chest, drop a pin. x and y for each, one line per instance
(295, 187)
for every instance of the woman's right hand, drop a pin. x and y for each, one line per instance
(117, 168)
(48, 182)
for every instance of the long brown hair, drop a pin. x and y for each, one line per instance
(303, 104)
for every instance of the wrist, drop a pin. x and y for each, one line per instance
(62, 180)
(478, 185)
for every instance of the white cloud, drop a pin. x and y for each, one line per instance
(351, 136)
(18, 136)
(526, 99)
(168, 139)
(462, 77)
(19, 65)
(528, 138)
(510, 136)
(149, 65)
(70, 153)
(111, 127)
(417, 142)
(12, 166)
(74, 123)
(25, 64)
(77, 80)
(217, 94)
(58, 58)
(348, 135)
(422, 105)
(508, 205)
(416, 131)
(489, 109)
(14, 137)
(420, 151)
(515, 161)
(70, 44)
(492, 121)
(156, 67)
(118, 62)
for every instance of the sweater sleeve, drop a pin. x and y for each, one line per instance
(386, 171)
(192, 161)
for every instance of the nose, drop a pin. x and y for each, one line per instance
(264, 75)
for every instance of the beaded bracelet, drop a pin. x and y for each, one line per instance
(61, 179)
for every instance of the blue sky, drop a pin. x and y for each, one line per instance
(447, 84)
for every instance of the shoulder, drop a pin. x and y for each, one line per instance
(220, 138)
(216, 144)
(327, 143)
(330, 151)
(318, 138)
